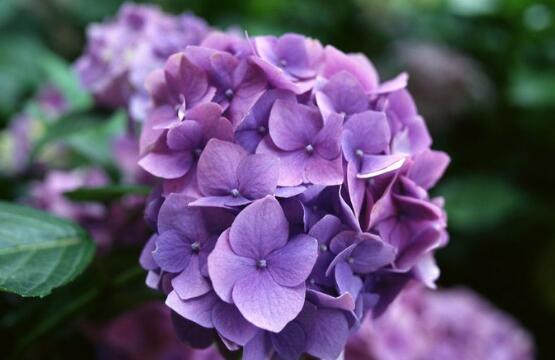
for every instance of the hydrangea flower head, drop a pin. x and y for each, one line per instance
(294, 193)
(444, 324)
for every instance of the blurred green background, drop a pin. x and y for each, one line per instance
(482, 73)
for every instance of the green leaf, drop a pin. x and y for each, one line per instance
(64, 128)
(39, 252)
(106, 193)
(95, 143)
(61, 75)
(534, 89)
(479, 202)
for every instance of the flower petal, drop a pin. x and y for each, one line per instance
(226, 268)
(197, 310)
(190, 283)
(291, 265)
(293, 126)
(259, 229)
(258, 175)
(217, 167)
(172, 252)
(231, 324)
(273, 307)
(187, 135)
(375, 165)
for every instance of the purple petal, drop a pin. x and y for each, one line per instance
(172, 252)
(190, 283)
(397, 83)
(346, 281)
(292, 164)
(273, 306)
(367, 132)
(164, 163)
(259, 229)
(371, 254)
(328, 334)
(293, 126)
(258, 175)
(147, 260)
(428, 167)
(346, 93)
(185, 136)
(197, 310)
(175, 214)
(217, 167)
(258, 348)
(327, 140)
(290, 343)
(375, 165)
(291, 265)
(342, 302)
(225, 268)
(320, 171)
(356, 64)
(231, 324)
(185, 78)
(325, 229)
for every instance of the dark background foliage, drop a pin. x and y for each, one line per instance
(483, 74)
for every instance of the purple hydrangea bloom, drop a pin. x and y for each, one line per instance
(122, 52)
(313, 176)
(444, 324)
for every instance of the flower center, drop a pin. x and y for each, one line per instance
(195, 247)
(312, 281)
(229, 94)
(234, 193)
(181, 108)
(351, 260)
(309, 149)
(262, 129)
(261, 264)
(359, 153)
(343, 113)
(323, 248)
(371, 181)
(283, 63)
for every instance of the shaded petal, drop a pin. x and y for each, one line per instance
(217, 167)
(273, 306)
(225, 268)
(172, 252)
(346, 280)
(175, 214)
(343, 302)
(325, 229)
(185, 136)
(328, 334)
(371, 254)
(290, 343)
(259, 229)
(198, 310)
(258, 175)
(327, 141)
(320, 171)
(346, 93)
(185, 78)
(231, 324)
(147, 260)
(293, 126)
(163, 162)
(375, 165)
(157, 121)
(428, 167)
(190, 283)
(368, 132)
(260, 347)
(291, 265)
(356, 64)
(191, 333)
(422, 243)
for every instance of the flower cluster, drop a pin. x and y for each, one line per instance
(445, 324)
(294, 193)
(122, 52)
